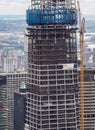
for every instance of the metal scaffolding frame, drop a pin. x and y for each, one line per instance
(52, 101)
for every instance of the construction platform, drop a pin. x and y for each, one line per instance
(51, 16)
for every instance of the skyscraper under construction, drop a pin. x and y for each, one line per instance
(52, 101)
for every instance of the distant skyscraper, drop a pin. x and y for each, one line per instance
(10, 64)
(52, 101)
(3, 103)
(88, 56)
(11, 60)
(94, 57)
(13, 83)
(19, 110)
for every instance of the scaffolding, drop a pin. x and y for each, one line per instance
(51, 16)
(52, 45)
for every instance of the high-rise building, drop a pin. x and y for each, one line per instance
(89, 98)
(3, 103)
(19, 110)
(93, 57)
(52, 101)
(13, 83)
(9, 64)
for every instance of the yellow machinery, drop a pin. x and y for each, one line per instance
(82, 30)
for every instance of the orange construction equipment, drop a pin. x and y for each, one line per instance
(81, 31)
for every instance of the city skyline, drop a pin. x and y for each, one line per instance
(10, 7)
(40, 68)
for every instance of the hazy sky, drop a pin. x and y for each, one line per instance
(20, 6)
(88, 6)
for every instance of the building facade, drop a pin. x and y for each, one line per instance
(19, 110)
(9, 64)
(52, 101)
(13, 83)
(89, 98)
(93, 57)
(3, 103)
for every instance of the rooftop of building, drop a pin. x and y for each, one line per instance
(13, 73)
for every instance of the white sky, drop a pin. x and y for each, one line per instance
(20, 6)
(87, 6)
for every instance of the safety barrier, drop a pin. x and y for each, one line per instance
(51, 16)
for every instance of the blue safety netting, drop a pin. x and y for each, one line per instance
(51, 16)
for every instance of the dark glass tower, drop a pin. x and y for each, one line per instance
(3, 103)
(52, 101)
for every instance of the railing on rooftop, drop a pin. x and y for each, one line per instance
(51, 16)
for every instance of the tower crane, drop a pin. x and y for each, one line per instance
(81, 32)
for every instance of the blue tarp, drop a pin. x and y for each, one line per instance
(51, 16)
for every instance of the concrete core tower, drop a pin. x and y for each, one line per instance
(52, 101)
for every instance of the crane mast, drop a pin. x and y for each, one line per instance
(81, 32)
